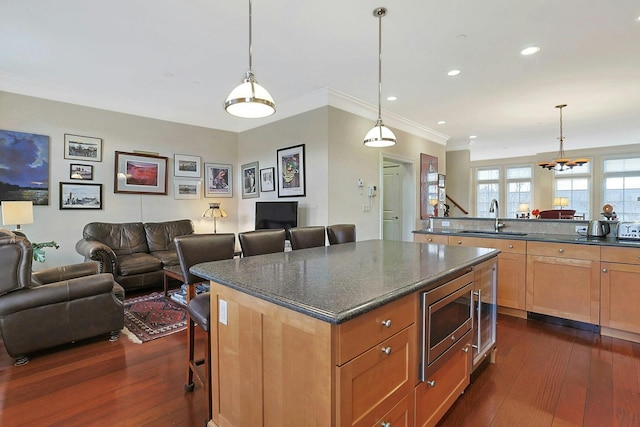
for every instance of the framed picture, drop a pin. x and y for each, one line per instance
(266, 180)
(24, 176)
(291, 173)
(188, 166)
(78, 171)
(84, 148)
(441, 180)
(428, 186)
(80, 196)
(442, 195)
(218, 180)
(249, 175)
(140, 173)
(186, 189)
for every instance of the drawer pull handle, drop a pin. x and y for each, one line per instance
(560, 250)
(465, 349)
(510, 246)
(453, 337)
(432, 383)
(385, 424)
(459, 242)
(386, 350)
(604, 270)
(431, 240)
(386, 323)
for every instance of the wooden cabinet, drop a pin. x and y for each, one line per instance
(431, 238)
(434, 397)
(620, 292)
(485, 310)
(374, 382)
(512, 267)
(400, 416)
(563, 280)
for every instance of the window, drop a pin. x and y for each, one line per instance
(574, 184)
(518, 189)
(622, 187)
(488, 187)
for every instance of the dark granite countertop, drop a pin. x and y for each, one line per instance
(537, 237)
(337, 283)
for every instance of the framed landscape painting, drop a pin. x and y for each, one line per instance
(78, 171)
(80, 196)
(218, 180)
(186, 189)
(24, 171)
(140, 173)
(84, 148)
(187, 166)
(291, 171)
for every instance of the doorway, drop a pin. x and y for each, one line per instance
(398, 198)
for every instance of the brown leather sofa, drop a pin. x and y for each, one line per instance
(135, 252)
(54, 306)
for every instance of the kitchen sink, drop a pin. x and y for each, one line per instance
(493, 233)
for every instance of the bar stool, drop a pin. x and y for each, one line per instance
(195, 249)
(341, 233)
(306, 237)
(262, 242)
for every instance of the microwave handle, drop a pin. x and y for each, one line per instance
(478, 346)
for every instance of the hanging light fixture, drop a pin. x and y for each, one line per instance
(379, 135)
(249, 99)
(562, 162)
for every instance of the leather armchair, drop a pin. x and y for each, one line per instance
(306, 237)
(262, 242)
(55, 306)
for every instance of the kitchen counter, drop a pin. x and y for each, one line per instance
(337, 283)
(537, 237)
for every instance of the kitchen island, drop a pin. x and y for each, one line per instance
(324, 336)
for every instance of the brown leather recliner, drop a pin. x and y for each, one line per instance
(54, 306)
(134, 252)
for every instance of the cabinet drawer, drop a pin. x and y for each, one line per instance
(431, 238)
(622, 255)
(509, 246)
(564, 250)
(360, 334)
(370, 385)
(448, 382)
(400, 416)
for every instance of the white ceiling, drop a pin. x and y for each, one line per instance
(178, 59)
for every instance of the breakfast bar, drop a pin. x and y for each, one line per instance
(329, 336)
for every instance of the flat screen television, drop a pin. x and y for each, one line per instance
(276, 215)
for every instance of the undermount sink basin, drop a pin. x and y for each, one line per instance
(493, 233)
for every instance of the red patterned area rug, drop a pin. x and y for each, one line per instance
(152, 316)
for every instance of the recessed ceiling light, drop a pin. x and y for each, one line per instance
(453, 72)
(472, 136)
(441, 122)
(530, 50)
(392, 98)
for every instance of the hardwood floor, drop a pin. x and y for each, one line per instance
(544, 375)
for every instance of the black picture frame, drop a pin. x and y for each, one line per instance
(74, 195)
(81, 172)
(291, 171)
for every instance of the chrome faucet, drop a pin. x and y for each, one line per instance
(493, 208)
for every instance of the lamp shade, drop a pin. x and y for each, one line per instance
(561, 201)
(379, 136)
(523, 207)
(250, 100)
(17, 213)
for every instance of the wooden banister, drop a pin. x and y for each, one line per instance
(457, 205)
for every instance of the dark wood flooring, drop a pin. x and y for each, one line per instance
(544, 375)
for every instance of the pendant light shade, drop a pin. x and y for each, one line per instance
(249, 99)
(379, 135)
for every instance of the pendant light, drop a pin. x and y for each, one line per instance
(379, 135)
(249, 99)
(562, 162)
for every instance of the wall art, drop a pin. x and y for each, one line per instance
(78, 171)
(249, 173)
(140, 173)
(291, 171)
(80, 196)
(218, 180)
(186, 189)
(266, 180)
(24, 167)
(84, 148)
(187, 166)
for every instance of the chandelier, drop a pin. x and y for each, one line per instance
(562, 162)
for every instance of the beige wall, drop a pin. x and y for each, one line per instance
(458, 181)
(119, 132)
(543, 179)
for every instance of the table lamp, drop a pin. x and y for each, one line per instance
(214, 212)
(17, 213)
(523, 210)
(561, 201)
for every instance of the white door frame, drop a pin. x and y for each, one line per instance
(409, 196)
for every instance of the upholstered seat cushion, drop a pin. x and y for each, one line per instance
(168, 258)
(199, 310)
(138, 263)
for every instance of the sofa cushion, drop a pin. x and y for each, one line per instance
(138, 263)
(125, 238)
(167, 257)
(160, 234)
